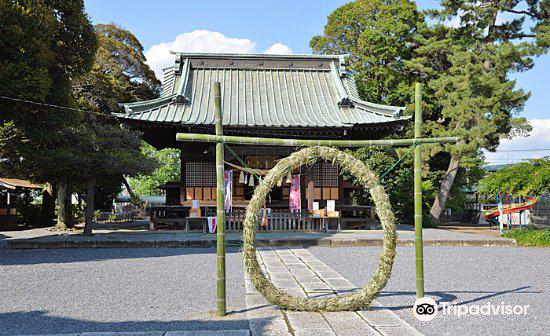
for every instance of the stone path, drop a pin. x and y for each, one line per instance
(299, 273)
(46, 238)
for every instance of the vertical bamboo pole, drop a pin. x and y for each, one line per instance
(519, 213)
(418, 192)
(220, 221)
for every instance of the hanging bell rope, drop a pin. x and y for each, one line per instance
(258, 172)
(245, 166)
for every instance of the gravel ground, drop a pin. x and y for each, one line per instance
(77, 290)
(466, 275)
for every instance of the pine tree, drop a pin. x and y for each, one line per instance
(467, 72)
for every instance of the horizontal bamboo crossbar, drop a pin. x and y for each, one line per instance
(237, 140)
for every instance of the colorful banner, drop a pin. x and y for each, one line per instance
(211, 224)
(228, 190)
(295, 200)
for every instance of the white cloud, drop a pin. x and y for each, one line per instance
(278, 48)
(158, 56)
(536, 145)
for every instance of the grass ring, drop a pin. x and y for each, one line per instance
(359, 299)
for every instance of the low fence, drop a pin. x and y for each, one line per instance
(273, 220)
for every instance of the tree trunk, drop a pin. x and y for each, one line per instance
(133, 197)
(90, 191)
(61, 206)
(445, 188)
(69, 213)
(48, 206)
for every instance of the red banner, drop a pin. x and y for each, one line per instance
(295, 199)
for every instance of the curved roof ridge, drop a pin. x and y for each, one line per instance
(380, 108)
(148, 103)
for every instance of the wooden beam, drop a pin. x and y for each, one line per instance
(310, 188)
(303, 143)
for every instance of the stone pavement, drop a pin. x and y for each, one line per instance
(46, 238)
(299, 273)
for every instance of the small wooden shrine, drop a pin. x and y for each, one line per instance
(288, 96)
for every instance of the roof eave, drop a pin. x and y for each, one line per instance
(258, 55)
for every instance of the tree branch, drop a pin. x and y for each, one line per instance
(534, 15)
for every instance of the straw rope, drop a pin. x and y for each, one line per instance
(357, 300)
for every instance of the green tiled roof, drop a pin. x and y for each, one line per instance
(261, 90)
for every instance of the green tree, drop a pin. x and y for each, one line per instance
(108, 152)
(378, 36)
(500, 21)
(168, 169)
(530, 178)
(119, 73)
(44, 45)
(467, 70)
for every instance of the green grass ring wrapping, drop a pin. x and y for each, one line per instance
(359, 299)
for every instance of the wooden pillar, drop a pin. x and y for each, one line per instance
(183, 187)
(310, 191)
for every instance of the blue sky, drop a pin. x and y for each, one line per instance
(255, 26)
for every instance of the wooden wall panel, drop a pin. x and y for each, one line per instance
(326, 193)
(334, 193)
(214, 193)
(198, 193)
(190, 193)
(207, 194)
(318, 193)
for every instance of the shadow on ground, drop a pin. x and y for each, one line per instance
(62, 256)
(447, 296)
(40, 322)
(452, 296)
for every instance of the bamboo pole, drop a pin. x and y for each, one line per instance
(418, 192)
(237, 140)
(220, 221)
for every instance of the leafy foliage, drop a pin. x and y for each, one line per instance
(468, 89)
(500, 21)
(44, 45)
(168, 169)
(398, 182)
(378, 35)
(119, 72)
(526, 179)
